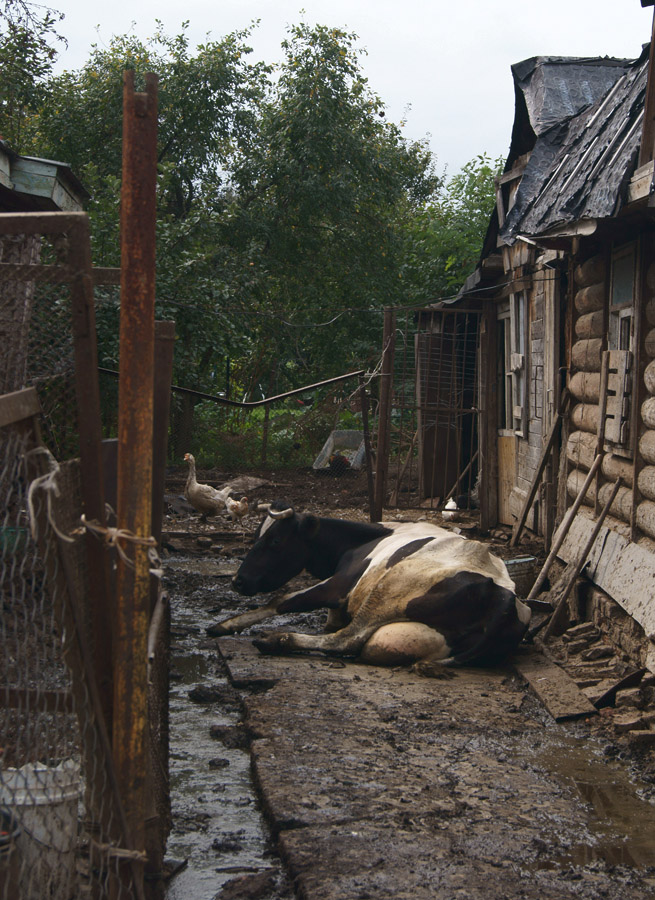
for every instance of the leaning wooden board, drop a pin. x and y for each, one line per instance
(557, 691)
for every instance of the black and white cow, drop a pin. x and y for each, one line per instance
(398, 593)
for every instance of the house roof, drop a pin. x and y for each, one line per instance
(583, 152)
(550, 89)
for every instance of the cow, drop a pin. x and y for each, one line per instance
(397, 594)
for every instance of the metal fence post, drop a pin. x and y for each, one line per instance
(135, 435)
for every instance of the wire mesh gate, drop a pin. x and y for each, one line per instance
(63, 831)
(430, 414)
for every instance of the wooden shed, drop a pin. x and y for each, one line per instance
(567, 281)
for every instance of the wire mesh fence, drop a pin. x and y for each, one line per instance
(434, 408)
(64, 832)
(61, 829)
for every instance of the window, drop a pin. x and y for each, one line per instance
(512, 365)
(519, 318)
(622, 289)
(617, 362)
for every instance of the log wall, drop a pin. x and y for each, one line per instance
(584, 385)
(645, 512)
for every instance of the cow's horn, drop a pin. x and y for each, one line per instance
(281, 513)
(263, 507)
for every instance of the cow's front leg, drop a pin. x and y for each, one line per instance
(318, 596)
(245, 620)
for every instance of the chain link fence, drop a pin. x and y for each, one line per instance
(64, 833)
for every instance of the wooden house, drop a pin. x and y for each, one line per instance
(567, 358)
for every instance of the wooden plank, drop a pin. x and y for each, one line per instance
(545, 453)
(566, 524)
(621, 568)
(569, 579)
(506, 477)
(488, 421)
(40, 222)
(19, 405)
(555, 688)
(617, 410)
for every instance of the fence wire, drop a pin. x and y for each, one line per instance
(434, 412)
(63, 831)
(59, 824)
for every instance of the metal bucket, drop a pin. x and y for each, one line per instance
(43, 801)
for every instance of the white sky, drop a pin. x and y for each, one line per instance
(443, 65)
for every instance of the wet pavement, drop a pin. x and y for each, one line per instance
(365, 783)
(218, 828)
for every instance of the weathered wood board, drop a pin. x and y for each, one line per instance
(557, 691)
(623, 569)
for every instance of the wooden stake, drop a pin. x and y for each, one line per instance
(582, 559)
(565, 526)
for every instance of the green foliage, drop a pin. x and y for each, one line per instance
(320, 202)
(290, 213)
(444, 240)
(27, 54)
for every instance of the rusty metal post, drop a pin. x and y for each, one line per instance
(384, 416)
(90, 434)
(135, 435)
(363, 398)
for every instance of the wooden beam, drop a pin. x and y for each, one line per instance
(543, 459)
(488, 423)
(555, 688)
(19, 405)
(648, 128)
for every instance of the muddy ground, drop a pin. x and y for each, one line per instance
(312, 778)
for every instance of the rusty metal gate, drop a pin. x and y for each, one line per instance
(429, 412)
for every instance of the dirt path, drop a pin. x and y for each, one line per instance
(377, 784)
(380, 784)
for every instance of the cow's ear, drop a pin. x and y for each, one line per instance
(309, 525)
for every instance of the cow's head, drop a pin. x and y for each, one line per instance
(280, 551)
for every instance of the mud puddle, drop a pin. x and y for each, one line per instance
(217, 826)
(620, 822)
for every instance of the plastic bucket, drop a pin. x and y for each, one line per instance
(9, 867)
(43, 801)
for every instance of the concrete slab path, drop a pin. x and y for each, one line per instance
(382, 785)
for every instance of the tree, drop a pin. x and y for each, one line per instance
(319, 205)
(27, 54)
(281, 200)
(444, 240)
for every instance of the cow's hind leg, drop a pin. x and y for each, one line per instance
(404, 643)
(346, 642)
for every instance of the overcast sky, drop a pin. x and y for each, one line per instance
(442, 65)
